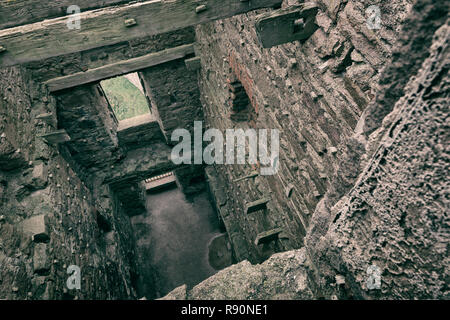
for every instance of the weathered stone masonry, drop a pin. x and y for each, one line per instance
(363, 120)
(49, 217)
(313, 91)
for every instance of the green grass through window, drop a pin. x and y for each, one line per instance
(125, 98)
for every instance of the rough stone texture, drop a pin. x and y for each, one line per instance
(314, 92)
(41, 263)
(140, 164)
(132, 197)
(425, 18)
(387, 201)
(283, 276)
(48, 215)
(179, 293)
(395, 215)
(87, 117)
(36, 228)
(10, 157)
(175, 103)
(138, 131)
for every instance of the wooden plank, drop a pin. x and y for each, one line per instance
(103, 27)
(256, 205)
(193, 64)
(19, 12)
(287, 25)
(251, 175)
(56, 137)
(119, 68)
(268, 236)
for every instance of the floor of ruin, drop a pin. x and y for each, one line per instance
(173, 239)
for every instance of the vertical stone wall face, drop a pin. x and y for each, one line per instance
(313, 92)
(175, 102)
(393, 220)
(85, 114)
(361, 189)
(174, 96)
(49, 218)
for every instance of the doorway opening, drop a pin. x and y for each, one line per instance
(126, 96)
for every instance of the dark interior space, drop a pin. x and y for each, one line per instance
(173, 241)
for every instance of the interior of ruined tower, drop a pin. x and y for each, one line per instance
(353, 206)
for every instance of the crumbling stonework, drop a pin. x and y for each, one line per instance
(377, 217)
(394, 216)
(313, 91)
(357, 209)
(49, 217)
(282, 277)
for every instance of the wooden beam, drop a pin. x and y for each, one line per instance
(19, 12)
(268, 236)
(287, 25)
(119, 68)
(251, 175)
(256, 205)
(107, 26)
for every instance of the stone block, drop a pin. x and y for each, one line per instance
(137, 131)
(39, 176)
(41, 262)
(193, 64)
(46, 117)
(56, 137)
(10, 157)
(179, 293)
(36, 228)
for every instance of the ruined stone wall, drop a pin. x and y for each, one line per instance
(381, 230)
(314, 92)
(364, 132)
(174, 96)
(393, 217)
(85, 114)
(49, 218)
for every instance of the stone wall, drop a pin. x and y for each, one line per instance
(174, 96)
(175, 103)
(49, 218)
(87, 117)
(361, 185)
(393, 217)
(380, 231)
(314, 92)
(387, 237)
(139, 131)
(94, 58)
